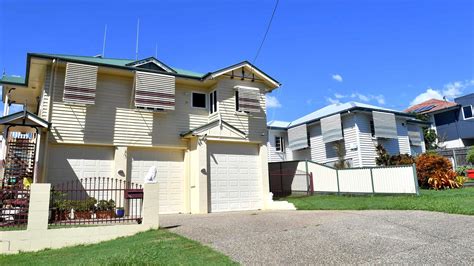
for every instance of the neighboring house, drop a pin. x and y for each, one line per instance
(356, 127)
(453, 121)
(93, 116)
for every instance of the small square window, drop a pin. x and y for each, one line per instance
(279, 144)
(199, 100)
(467, 111)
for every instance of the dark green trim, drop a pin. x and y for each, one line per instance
(416, 179)
(210, 124)
(372, 180)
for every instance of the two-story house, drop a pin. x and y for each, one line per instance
(350, 130)
(452, 121)
(91, 116)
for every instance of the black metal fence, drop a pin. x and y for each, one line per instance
(96, 200)
(286, 179)
(15, 200)
(456, 155)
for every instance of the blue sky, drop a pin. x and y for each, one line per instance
(389, 53)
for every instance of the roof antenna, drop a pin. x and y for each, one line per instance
(156, 50)
(105, 38)
(136, 48)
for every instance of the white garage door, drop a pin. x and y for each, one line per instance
(170, 175)
(68, 162)
(235, 178)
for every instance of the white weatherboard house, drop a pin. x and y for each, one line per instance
(359, 127)
(93, 116)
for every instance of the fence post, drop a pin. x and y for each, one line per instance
(455, 160)
(337, 177)
(38, 209)
(308, 184)
(415, 176)
(372, 180)
(150, 205)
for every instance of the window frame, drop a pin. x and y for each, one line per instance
(281, 147)
(372, 128)
(205, 99)
(213, 102)
(472, 112)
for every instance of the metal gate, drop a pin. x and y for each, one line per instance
(20, 157)
(287, 179)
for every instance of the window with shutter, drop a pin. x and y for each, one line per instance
(247, 99)
(385, 125)
(298, 137)
(414, 135)
(80, 84)
(331, 128)
(154, 91)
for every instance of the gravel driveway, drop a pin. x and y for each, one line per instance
(322, 237)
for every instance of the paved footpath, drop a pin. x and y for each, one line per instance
(323, 237)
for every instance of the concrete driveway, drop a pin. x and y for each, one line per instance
(322, 237)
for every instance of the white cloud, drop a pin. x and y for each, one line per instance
(337, 77)
(450, 91)
(272, 102)
(380, 99)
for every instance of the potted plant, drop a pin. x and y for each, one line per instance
(105, 209)
(120, 212)
(61, 207)
(470, 159)
(83, 208)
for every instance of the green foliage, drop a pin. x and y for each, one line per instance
(470, 155)
(83, 205)
(430, 138)
(462, 170)
(385, 159)
(341, 152)
(104, 205)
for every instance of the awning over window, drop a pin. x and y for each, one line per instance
(385, 125)
(23, 120)
(249, 99)
(80, 83)
(154, 91)
(298, 137)
(331, 128)
(414, 134)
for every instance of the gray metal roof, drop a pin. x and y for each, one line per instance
(333, 109)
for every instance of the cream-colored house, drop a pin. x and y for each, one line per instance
(93, 116)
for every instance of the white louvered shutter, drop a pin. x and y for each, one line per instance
(249, 99)
(80, 83)
(298, 137)
(154, 91)
(385, 125)
(331, 128)
(414, 134)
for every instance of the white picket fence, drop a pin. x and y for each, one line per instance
(385, 180)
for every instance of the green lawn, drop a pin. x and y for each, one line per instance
(460, 201)
(158, 247)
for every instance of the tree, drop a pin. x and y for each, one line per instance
(341, 152)
(430, 138)
(383, 158)
(470, 155)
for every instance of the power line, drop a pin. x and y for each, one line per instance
(266, 32)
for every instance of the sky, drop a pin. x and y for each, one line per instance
(390, 53)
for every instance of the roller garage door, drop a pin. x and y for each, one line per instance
(70, 162)
(170, 174)
(235, 182)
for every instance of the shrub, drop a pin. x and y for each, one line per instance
(470, 155)
(462, 170)
(105, 205)
(402, 159)
(435, 171)
(385, 159)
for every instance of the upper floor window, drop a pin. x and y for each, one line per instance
(213, 102)
(279, 144)
(467, 112)
(198, 100)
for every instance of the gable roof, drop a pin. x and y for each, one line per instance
(278, 124)
(340, 108)
(129, 65)
(154, 61)
(210, 125)
(430, 106)
(24, 118)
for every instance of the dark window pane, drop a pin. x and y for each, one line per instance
(236, 100)
(199, 100)
(467, 111)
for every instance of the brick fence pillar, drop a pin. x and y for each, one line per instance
(150, 205)
(38, 210)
